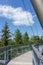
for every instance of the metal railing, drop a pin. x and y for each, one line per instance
(9, 52)
(37, 56)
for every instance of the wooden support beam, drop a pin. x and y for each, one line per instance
(38, 6)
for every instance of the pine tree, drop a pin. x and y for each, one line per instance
(18, 37)
(5, 34)
(25, 38)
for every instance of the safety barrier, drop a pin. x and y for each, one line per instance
(9, 52)
(37, 56)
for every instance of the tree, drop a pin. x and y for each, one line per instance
(42, 39)
(35, 40)
(25, 38)
(18, 37)
(5, 34)
(11, 42)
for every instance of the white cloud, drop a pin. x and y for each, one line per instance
(18, 15)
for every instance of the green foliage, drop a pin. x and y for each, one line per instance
(5, 34)
(25, 38)
(35, 40)
(11, 42)
(18, 37)
(6, 39)
(1, 45)
(41, 39)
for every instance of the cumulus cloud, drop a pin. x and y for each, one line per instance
(18, 15)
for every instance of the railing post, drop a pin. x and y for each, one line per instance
(22, 50)
(41, 62)
(11, 52)
(5, 56)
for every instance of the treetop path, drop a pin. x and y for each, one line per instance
(7, 53)
(24, 59)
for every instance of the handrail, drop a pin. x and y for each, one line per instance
(37, 56)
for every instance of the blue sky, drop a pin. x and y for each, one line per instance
(19, 16)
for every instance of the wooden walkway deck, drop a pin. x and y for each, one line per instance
(24, 59)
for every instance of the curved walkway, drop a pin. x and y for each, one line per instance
(24, 59)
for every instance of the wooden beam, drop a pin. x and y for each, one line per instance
(38, 6)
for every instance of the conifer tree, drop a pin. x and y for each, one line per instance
(5, 34)
(18, 37)
(25, 38)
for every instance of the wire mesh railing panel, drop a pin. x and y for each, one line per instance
(9, 52)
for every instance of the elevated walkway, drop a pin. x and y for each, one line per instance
(24, 59)
(19, 53)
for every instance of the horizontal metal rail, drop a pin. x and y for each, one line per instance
(37, 56)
